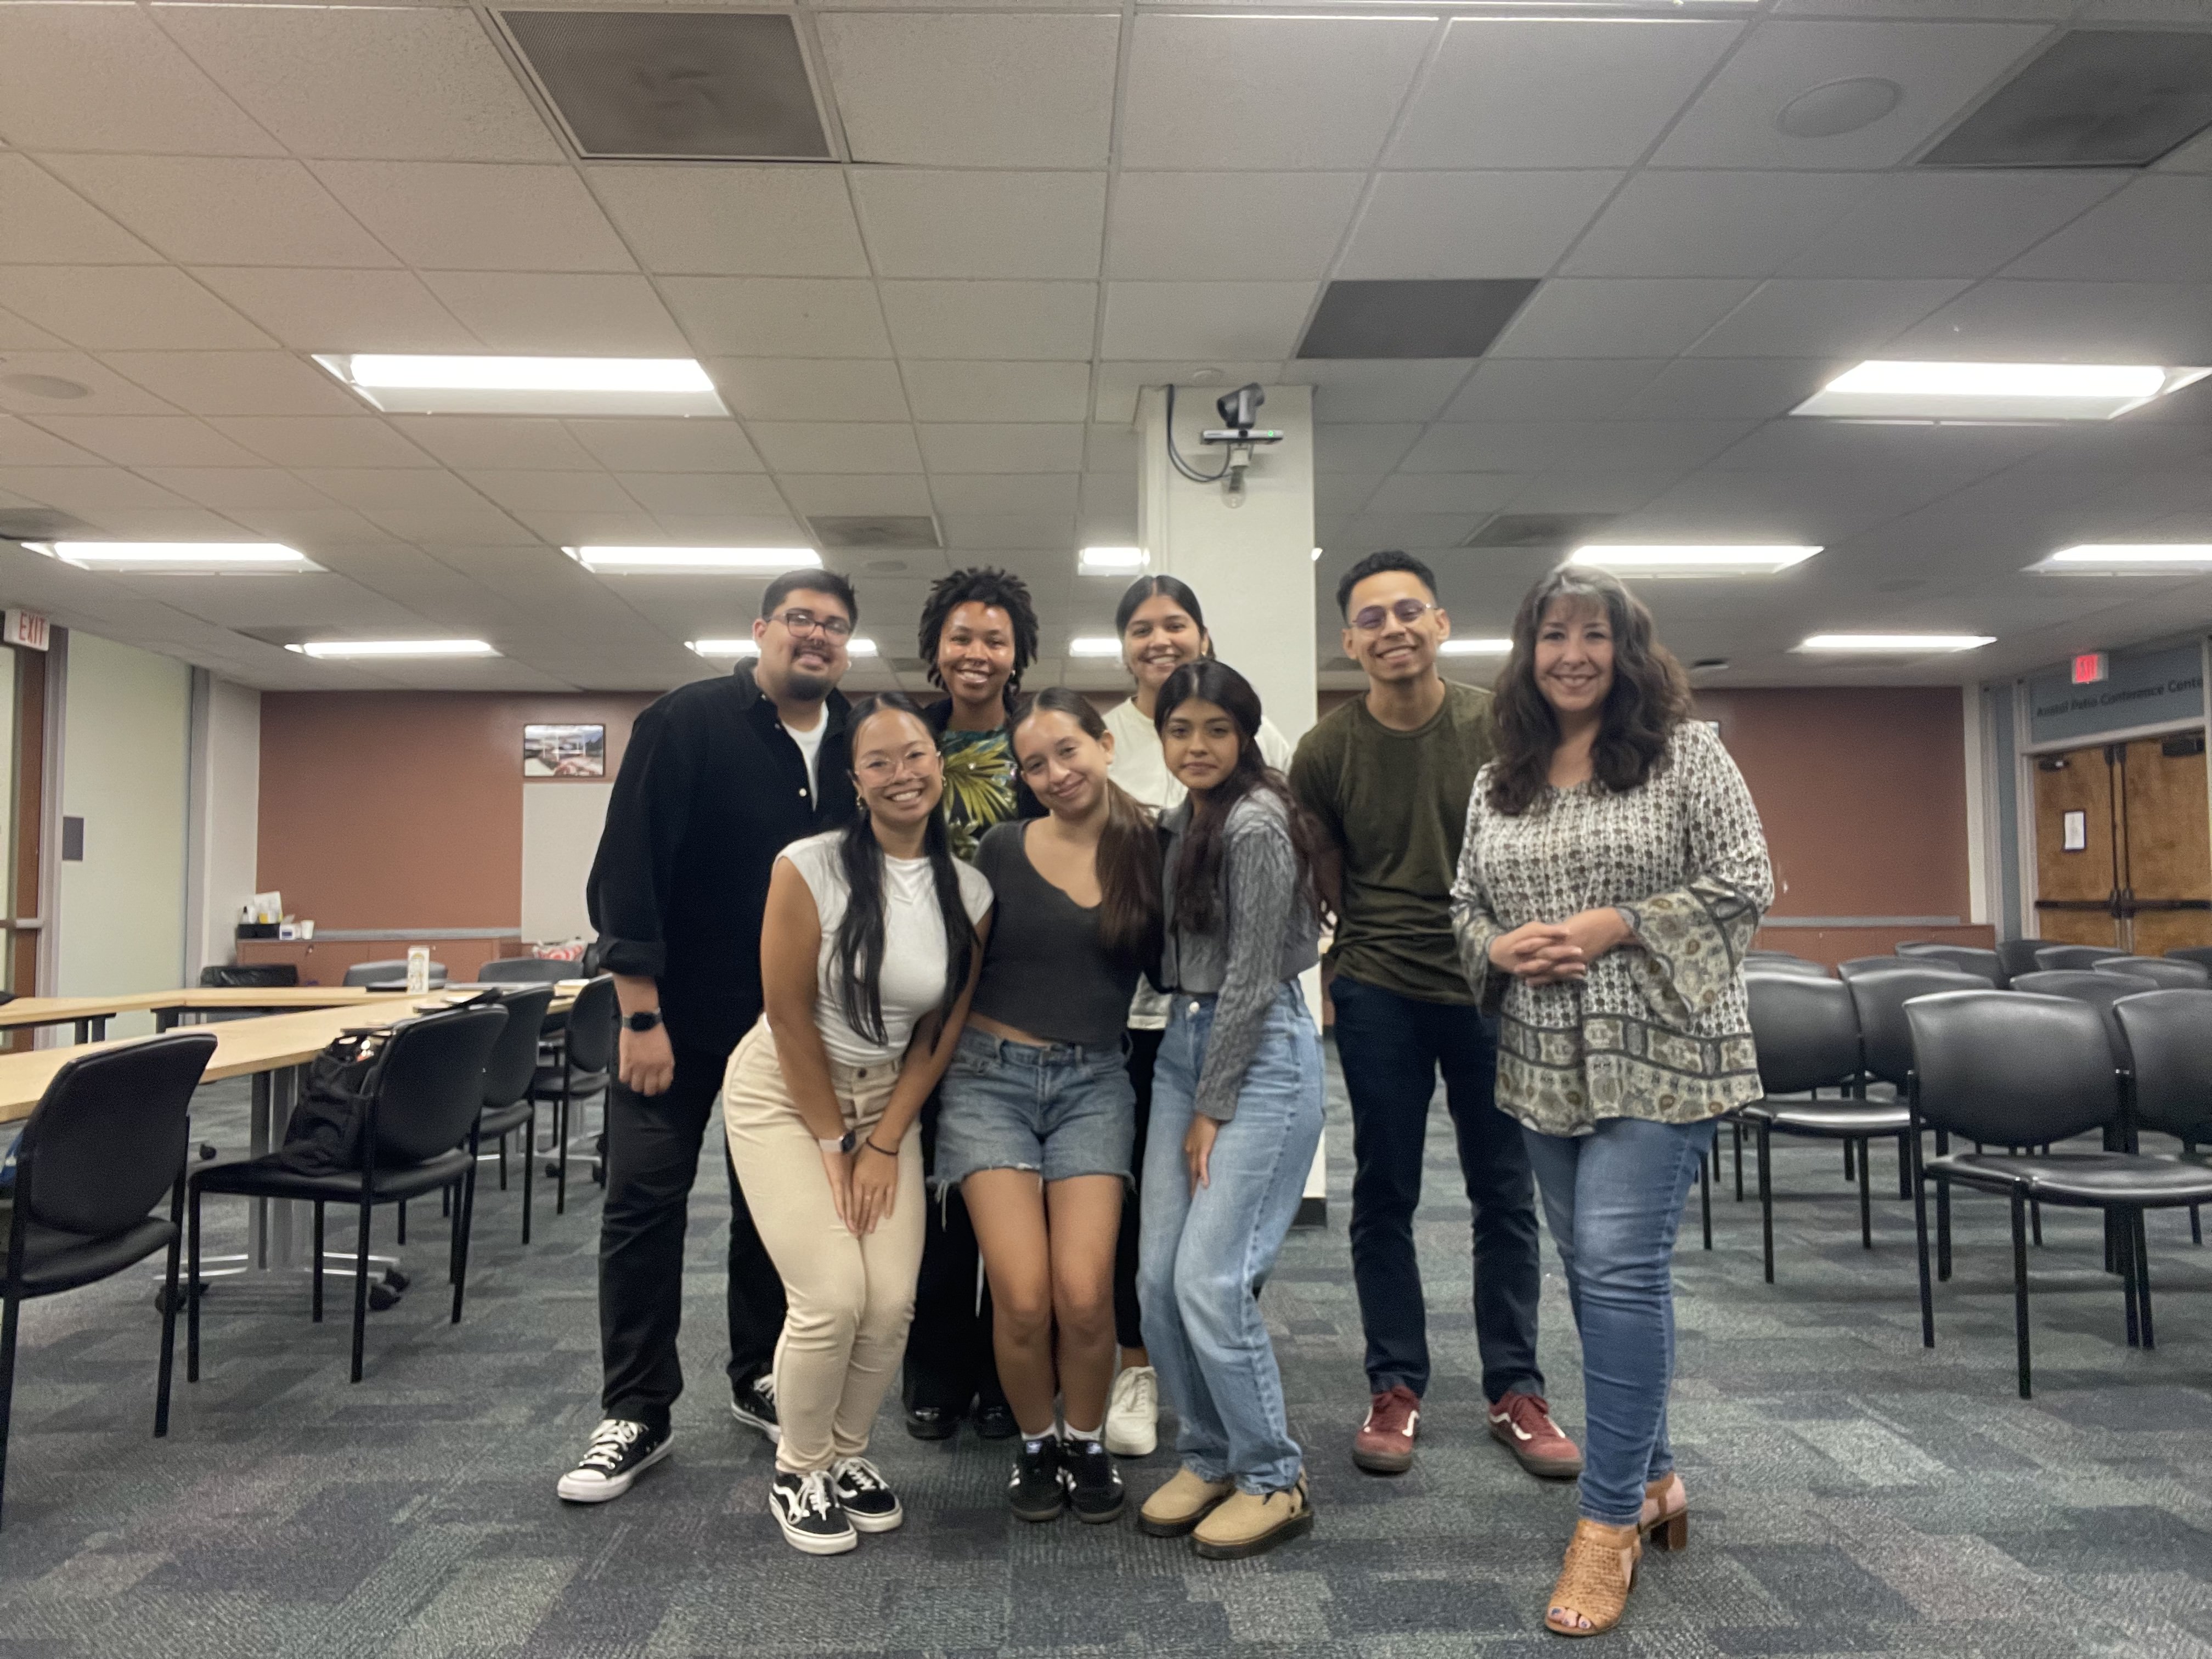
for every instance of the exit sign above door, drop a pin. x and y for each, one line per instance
(2092, 667)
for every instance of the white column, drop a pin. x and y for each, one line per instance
(224, 827)
(1249, 557)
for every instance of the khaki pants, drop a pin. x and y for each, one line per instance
(850, 1299)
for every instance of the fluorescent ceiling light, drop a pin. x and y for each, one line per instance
(393, 648)
(1995, 392)
(693, 560)
(1094, 645)
(528, 385)
(1691, 561)
(1475, 647)
(2120, 558)
(858, 646)
(183, 557)
(1109, 561)
(1923, 643)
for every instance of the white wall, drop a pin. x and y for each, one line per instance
(225, 816)
(126, 745)
(561, 824)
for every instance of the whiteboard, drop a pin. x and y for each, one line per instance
(559, 834)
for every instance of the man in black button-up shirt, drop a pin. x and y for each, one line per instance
(720, 776)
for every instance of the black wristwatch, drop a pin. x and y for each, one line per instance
(844, 1144)
(644, 1020)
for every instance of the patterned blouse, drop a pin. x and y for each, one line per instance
(1659, 1029)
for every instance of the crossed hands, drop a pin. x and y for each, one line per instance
(1558, 953)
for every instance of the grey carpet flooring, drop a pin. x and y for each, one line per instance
(1851, 1492)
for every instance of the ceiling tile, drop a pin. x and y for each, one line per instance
(1964, 223)
(666, 446)
(561, 491)
(16, 335)
(313, 529)
(497, 443)
(1588, 492)
(1619, 316)
(226, 488)
(778, 316)
(1118, 384)
(561, 314)
(963, 493)
(374, 489)
(1420, 532)
(1204, 320)
(953, 89)
(1472, 224)
(235, 382)
(1555, 93)
(1346, 492)
(2083, 322)
(466, 525)
(858, 493)
(1941, 67)
(59, 69)
(22, 444)
(125, 308)
(224, 210)
(1376, 448)
(725, 529)
(1288, 92)
(1354, 389)
(734, 221)
(1002, 447)
(811, 388)
(48, 223)
(1572, 389)
(982, 224)
(1005, 533)
(342, 310)
(997, 392)
(355, 440)
(2156, 230)
(1581, 446)
(1723, 388)
(1211, 227)
(386, 82)
(1105, 448)
(87, 491)
(829, 446)
(1809, 317)
(1045, 320)
(466, 215)
(1444, 492)
(1713, 224)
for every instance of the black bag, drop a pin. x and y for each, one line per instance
(324, 1137)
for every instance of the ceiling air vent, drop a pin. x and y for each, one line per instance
(888, 530)
(2096, 98)
(1537, 532)
(723, 86)
(1455, 318)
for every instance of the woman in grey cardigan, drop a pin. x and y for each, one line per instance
(1613, 872)
(1237, 1113)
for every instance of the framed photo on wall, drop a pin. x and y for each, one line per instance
(564, 751)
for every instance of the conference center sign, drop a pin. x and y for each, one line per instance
(2157, 688)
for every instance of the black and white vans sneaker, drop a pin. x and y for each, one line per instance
(870, 1504)
(1094, 1485)
(620, 1451)
(805, 1506)
(752, 1402)
(1038, 1490)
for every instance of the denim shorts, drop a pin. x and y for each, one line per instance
(1059, 1110)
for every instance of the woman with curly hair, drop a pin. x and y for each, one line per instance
(1612, 873)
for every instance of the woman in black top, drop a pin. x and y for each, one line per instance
(1038, 1111)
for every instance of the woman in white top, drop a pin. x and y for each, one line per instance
(1162, 628)
(869, 953)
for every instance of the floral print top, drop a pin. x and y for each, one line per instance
(1659, 1029)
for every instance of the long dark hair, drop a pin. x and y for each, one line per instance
(985, 585)
(1168, 588)
(1198, 873)
(1128, 858)
(859, 940)
(1651, 694)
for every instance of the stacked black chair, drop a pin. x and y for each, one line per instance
(389, 975)
(1851, 966)
(421, 1110)
(1965, 958)
(525, 970)
(508, 1104)
(2017, 956)
(2061, 958)
(2198, 953)
(2169, 1037)
(2011, 1067)
(2100, 990)
(2167, 976)
(250, 972)
(102, 1145)
(1781, 962)
(587, 1057)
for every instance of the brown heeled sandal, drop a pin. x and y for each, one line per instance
(1665, 1522)
(1594, 1579)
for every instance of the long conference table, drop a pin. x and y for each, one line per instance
(90, 1014)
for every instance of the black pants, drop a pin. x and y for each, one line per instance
(950, 1364)
(1128, 1328)
(653, 1155)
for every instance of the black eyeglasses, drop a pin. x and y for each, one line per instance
(806, 622)
(1371, 619)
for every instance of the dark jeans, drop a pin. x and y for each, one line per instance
(1391, 1047)
(1128, 1324)
(653, 1155)
(950, 1364)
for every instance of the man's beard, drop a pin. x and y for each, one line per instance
(807, 685)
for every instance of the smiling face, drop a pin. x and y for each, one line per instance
(1064, 765)
(1161, 637)
(976, 654)
(1394, 627)
(1200, 741)
(804, 661)
(895, 766)
(1573, 658)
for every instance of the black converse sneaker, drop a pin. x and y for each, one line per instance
(1038, 1490)
(805, 1506)
(870, 1504)
(621, 1450)
(752, 1402)
(1094, 1485)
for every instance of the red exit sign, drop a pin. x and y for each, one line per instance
(2092, 667)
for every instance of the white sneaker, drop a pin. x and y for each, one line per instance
(1132, 1414)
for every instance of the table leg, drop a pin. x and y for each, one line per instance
(100, 1028)
(257, 1143)
(83, 1031)
(284, 1086)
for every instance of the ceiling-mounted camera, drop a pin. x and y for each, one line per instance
(1239, 409)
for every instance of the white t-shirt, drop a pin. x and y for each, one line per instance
(810, 744)
(913, 982)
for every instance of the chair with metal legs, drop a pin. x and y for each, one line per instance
(1960, 958)
(508, 1104)
(2169, 1037)
(587, 1057)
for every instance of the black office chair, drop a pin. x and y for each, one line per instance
(1776, 962)
(508, 1104)
(1852, 967)
(525, 970)
(587, 1057)
(102, 1145)
(1885, 1039)
(2196, 953)
(2100, 990)
(2015, 1067)
(1965, 958)
(422, 1104)
(2169, 1037)
(2165, 975)
(2065, 958)
(389, 975)
(2017, 956)
(250, 972)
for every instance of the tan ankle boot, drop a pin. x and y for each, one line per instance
(1246, 1525)
(1594, 1579)
(1666, 1520)
(1182, 1504)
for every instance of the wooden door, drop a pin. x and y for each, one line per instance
(2077, 887)
(2166, 861)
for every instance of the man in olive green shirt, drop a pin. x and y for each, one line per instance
(1388, 775)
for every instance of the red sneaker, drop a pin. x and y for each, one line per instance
(1384, 1444)
(1522, 1424)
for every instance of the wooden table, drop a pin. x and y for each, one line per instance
(90, 1014)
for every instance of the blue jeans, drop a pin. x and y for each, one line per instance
(1204, 1256)
(1614, 1198)
(1392, 1047)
